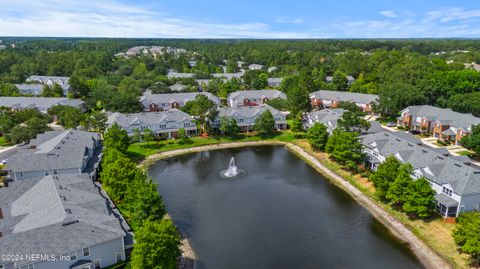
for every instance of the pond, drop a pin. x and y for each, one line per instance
(281, 213)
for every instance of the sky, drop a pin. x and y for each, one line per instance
(269, 19)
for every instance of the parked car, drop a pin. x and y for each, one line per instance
(4, 162)
(415, 132)
(391, 124)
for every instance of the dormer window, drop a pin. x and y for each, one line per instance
(447, 191)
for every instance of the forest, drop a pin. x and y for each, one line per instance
(402, 72)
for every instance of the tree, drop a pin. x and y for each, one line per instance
(385, 175)
(340, 81)
(7, 89)
(70, 117)
(143, 201)
(261, 82)
(156, 247)
(18, 134)
(298, 100)
(182, 136)
(397, 193)
(420, 199)
(202, 108)
(297, 125)
(473, 140)
(117, 174)
(467, 234)
(229, 126)
(96, 122)
(351, 122)
(148, 135)
(345, 148)
(136, 135)
(117, 138)
(317, 136)
(265, 123)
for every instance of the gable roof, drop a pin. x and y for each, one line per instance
(345, 96)
(149, 97)
(38, 102)
(444, 116)
(58, 214)
(247, 112)
(54, 150)
(270, 94)
(434, 165)
(149, 118)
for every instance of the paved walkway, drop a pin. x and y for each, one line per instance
(427, 256)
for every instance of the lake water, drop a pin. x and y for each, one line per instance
(281, 214)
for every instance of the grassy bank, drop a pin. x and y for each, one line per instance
(435, 232)
(139, 151)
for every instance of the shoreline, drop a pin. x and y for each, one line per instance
(427, 257)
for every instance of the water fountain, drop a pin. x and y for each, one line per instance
(232, 170)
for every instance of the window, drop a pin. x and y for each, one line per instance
(118, 256)
(2, 267)
(240, 120)
(21, 174)
(163, 126)
(73, 255)
(447, 191)
(30, 266)
(86, 252)
(54, 172)
(97, 264)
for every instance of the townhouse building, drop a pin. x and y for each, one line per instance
(246, 116)
(165, 101)
(332, 99)
(42, 104)
(253, 97)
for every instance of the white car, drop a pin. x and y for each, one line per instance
(4, 162)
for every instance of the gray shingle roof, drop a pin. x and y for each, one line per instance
(47, 228)
(328, 117)
(54, 150)
(443, 115)
(34, 89)
(259, 94)
(435, 166)
(148, 118)
(149, 97)
(38, 102)
(345, 96)
(247, 112)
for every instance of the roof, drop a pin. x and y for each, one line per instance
(54, 150)
(177, 87)
(148, 118)
(274, 80)
(35, 89)
(258, 94)
(434, 165)
(246, 112)
(49, 79)
(38, 102)
(443, 115)
(228, 76)
(149, 97)
(328, 117)
(173, 74)
(59, 213)
(445, 200)
(345, 96)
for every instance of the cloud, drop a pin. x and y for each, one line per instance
(111, 18)
(444, 22)
(388, 13)
(289, 21)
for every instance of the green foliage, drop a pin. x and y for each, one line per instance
(229, 126)
(420, 199)
(157, 246)
(279, 104)
(345, 148)
(118, 173)
(202, 108)
(7, 89)
(70, 117)
(473, 140)
(297, 125)
(397, 193)
(265, 123)
(317, 136)
(298, 100)
(95, 122)
(148, 135)
(351, 122)
(182, 136)
(143, 201)
(467, 233)
(385, 175)
(340, 81)
(21, 126)
(116, 138)
(52, 91)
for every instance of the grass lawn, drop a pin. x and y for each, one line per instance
(138, 151)
(3, 142)
(464, 153)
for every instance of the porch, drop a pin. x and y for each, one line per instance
(446, 206)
